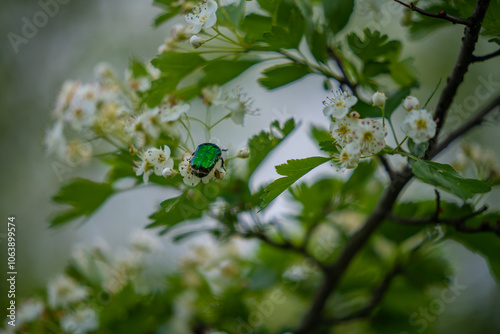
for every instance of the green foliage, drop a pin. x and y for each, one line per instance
(292, 171)
(337, 14)
(381, 56)
(281, 75)
(263, 143)
(84, 197)
(445, 177)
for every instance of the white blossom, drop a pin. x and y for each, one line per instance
(81, 321)
(370, 134)
(378, 99)
(342, 129)
(349, 156)
(410, 103)
(239, 104)
(338, 105)
(63, 291)
(144, 242)
(202, 16)
(29, 311)
(243, 152)
(419, 126)
(195, 41)
(171, 113)
(153, 161)
(55, 141)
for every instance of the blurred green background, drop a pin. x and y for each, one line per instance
(84, 33)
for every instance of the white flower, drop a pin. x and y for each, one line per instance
(217, 172)
(65, 96)
(342, 129)
(147, 123)
(64, 291)
(202, 16)
(212, 95)
(82, 109)
(104, 72)
(153, 160)
(239, 105)
(144, 242)
(349, 156)
(171, 113)
(55, 142)
(338, 106)
(419, 126)
(378, 99)
(29, 311)
(243, 153)
(370, 135)
(410, 103)
(195, 41)
(140, 83)
(78, 152)
(81, 321)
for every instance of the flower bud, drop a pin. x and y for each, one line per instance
(378, 99)
(168, 172)
(243, 153)
(195, 41)
(410, 103)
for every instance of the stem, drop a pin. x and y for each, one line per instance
(188, 132)
(220, 120)
(392, 128)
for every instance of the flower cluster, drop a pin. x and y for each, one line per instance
(156, 161)
(69, 303)
(357, 137)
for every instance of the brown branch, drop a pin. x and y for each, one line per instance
(457, 223)
(377, 296)
(387, 166)
(465, 58)
(472, 122)
(476, 59)
(441, 15)
(334, 272)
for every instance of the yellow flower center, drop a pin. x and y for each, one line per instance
(368, 136)
(421, 124)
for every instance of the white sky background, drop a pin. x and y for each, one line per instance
(83, 34)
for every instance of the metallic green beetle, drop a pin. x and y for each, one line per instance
(205, 158)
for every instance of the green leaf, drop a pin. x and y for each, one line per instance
(188, 206)
(263, 143)
(162, 18)
(255, 26)
(329, 146)
(288, 27)
(138, 69)
(488, 245)
(234, 12)
(178, 64)
(292, 170)
(317, 41)
(281, 75)
(445, 177)
(418, 150)
(373, 46)
(221, 71)
(84, 197)
(337, 13)
(393, 102)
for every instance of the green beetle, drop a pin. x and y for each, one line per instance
(205, 158)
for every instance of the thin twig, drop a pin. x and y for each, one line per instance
(476, 59)
(441, 15)
(377, 296)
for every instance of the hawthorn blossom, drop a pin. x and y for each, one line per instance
(81, 321)
(171, 113)
(349, 156)
(342, 129)
(29, 311)
(419, 126)
(55, 141)
(239, 105)
(64, 291)
(370, 134)
(410, 103)
(378, 99)
(195, 41)
(202, 16)
(153, 161)
(338, 106)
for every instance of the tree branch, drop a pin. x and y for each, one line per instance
(340, 63)
(465, 58)
(377, 296)
(476, 59)
(441, 15)
(474, 121)
(457, 223)
(387, 166)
